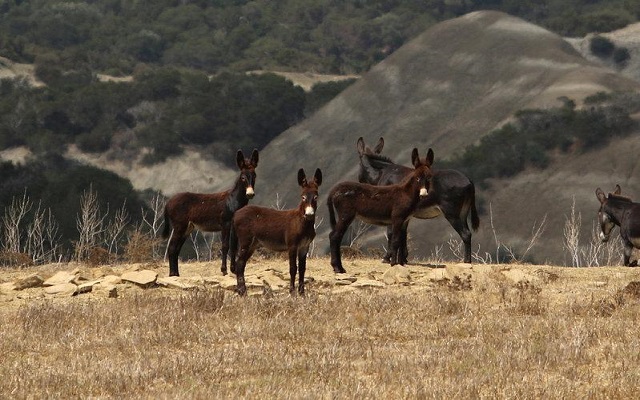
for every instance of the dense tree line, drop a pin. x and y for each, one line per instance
(161, 109)
(530, 140)
(115, 36)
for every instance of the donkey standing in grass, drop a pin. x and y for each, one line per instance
(279, 230)
(452, 194)
(208, 212)
(390, 205)
(619, 210)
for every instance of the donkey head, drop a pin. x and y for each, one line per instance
(422, 171)
(247, 171)
(604, 218)
(368, 173)
(309, 195)
(364, 149)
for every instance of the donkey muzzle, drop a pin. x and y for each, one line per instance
(424, 192)
(604, 238)
(250, 192)
(309, 212)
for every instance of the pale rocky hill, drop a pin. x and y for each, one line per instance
(446, 89)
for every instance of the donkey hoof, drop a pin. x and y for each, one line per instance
(339, 270)
(242, 291)
(386, 260)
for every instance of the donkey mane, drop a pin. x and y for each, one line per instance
(620, 198)
(378, 161)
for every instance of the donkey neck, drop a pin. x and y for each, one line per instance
(239, 194)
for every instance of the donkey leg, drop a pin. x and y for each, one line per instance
(224, 248)
(293, 269)
(403, 250)
(302, 267)
(335, 241)
(175, 244)
(628, 249)
(243, 256)
(463, 230)
(387, 257)
(395, 243)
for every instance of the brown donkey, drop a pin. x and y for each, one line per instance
(279, 230)
(208, 212)
(390, 205)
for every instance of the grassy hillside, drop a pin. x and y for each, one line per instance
(449, 331)
(446, 89)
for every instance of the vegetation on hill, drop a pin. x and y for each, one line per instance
(161, 109)
(530, 139)
(115, 36)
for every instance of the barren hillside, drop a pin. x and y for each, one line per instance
(446, 89)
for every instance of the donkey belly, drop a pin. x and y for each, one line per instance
(206, 227)
(428, 212)
(375, 220)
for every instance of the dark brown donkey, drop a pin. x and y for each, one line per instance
(452, 194)
(208, 212)
(391, 205)
(279, 230)
(619, 210)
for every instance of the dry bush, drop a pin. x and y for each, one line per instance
(140, 247)
(13, 259)
(98, 256)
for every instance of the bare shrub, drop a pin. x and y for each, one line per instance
(140, 247)
(152, 220)
(90, 224)
(34, 233)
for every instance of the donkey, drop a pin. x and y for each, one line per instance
(619, 210)
(279, 230)
(391, 205)
(452, 194)
(208, 212)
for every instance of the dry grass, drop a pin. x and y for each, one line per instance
(464, 338)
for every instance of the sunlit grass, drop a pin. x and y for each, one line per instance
(447, 341)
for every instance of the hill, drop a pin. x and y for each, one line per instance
(446, 89)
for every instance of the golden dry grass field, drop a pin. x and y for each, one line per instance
(424, 331)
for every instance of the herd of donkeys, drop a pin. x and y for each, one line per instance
(386, 194)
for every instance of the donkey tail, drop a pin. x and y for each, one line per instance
(167, 224)
(332, 212)
(475, 220)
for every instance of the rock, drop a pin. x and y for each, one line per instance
(273, 281)
(7, 288)
(111, 280)
(344, 280)
(145, 278)
(60, 277)
(397, 275)
(367, 283)
(103, 289)
(86, 287)
(31, 281)
(175, 282)
(228, 282)
(62, 290)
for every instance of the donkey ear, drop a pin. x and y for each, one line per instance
(600, 195)
(379, 146)
(254, 158)
(415, 157)
(360, 146)
(240, 159)
(302, 178)
(318, 177)
(430, 156)
(618, 190)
